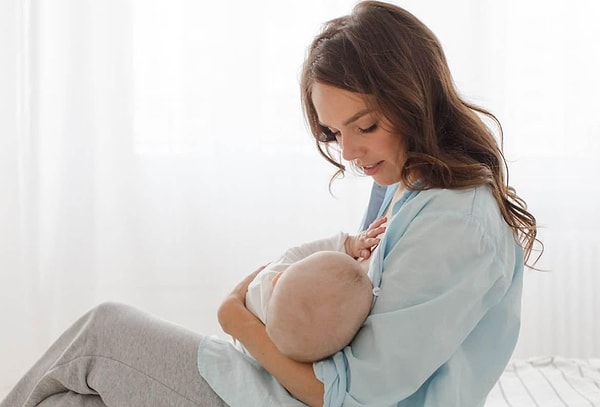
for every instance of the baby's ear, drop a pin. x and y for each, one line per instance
(276, 278)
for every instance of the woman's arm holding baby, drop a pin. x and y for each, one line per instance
(297, 377)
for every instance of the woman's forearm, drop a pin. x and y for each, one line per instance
(298, 378)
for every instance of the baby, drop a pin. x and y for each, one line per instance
(318, 305)
(314, 299)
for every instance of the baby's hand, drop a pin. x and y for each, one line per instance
(364, 243)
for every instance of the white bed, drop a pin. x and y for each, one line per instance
(548, 382)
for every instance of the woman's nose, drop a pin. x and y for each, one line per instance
(351, 147)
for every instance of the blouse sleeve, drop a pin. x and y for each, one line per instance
(439, 274)
(296, 253)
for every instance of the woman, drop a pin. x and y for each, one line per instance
(376, 84)
(375, 88)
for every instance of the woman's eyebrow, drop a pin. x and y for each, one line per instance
(352, 118)
(356, 116)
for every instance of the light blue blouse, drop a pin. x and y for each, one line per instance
(442, 328)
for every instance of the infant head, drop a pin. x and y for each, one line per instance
(317, 306)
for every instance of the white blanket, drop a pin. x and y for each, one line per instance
(548, 382)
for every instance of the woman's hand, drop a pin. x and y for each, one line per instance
(232, 310)
(361, 245)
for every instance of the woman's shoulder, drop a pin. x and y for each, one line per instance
(475, 204)
(476, 201)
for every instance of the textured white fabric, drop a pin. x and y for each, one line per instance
(548, 381)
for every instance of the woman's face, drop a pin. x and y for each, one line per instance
(362, 134)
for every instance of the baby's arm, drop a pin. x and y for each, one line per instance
(297, 253)
(364, 243)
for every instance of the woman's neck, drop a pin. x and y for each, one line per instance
(397, 195)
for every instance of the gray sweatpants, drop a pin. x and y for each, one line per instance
(117, 356)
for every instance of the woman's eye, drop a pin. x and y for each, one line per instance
(369, 129)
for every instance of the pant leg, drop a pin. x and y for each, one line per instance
(70, 399)
(121, 356)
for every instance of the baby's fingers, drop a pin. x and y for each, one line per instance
(377, 227)
(365, 254)
(378, 222)
(376, 232)
(370, 243)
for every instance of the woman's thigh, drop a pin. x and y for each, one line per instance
(123, 355)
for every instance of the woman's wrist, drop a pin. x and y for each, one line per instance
(233, 312)
(234, 317)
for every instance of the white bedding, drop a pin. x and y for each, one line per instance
(548, 382)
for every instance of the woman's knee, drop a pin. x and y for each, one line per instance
(110, 309)
(108, 316)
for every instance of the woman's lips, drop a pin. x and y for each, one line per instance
(371, 169)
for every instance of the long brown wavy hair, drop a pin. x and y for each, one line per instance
(386, 54)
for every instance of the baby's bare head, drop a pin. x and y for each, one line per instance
(318, 305)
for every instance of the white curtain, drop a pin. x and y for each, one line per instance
(153, 152)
